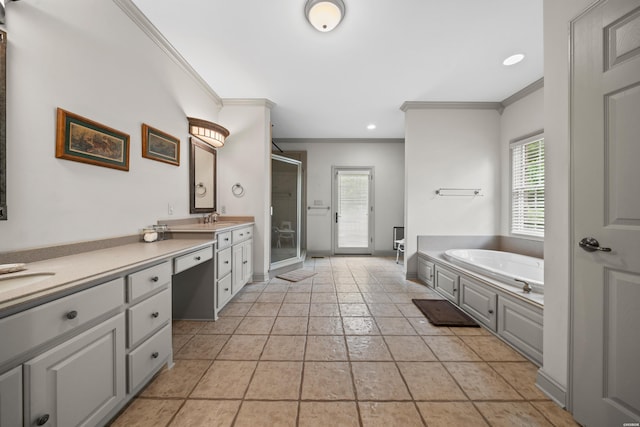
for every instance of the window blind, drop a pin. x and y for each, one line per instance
(527, 187)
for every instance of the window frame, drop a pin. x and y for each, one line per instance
(518, 142)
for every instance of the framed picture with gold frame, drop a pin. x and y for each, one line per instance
(83, 140)
(160, 146)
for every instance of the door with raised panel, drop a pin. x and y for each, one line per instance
(605, 146)
(80, 381)
(237, 269)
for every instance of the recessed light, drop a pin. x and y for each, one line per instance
(513, 59)
(371, 126)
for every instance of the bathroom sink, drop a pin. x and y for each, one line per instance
(14, 282)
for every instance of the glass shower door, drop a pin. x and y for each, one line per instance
(286, 194)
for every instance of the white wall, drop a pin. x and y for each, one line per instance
(388, 160)
(89, 58)
(519, 119)
(450, 148)
(557, 16)
(246, 159)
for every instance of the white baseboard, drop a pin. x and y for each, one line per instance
(551, 388)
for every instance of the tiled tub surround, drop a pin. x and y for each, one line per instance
(346, 348)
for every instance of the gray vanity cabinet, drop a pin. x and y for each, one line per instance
(447, 283)
(479, 301)
(234, 261)
(80, 381)
(11, 398)
(242, 257)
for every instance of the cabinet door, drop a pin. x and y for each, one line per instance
(237, 270)
(447, 284)
(247, 260)
(479, 301)
(80, 381)
(11, 398)
(522, 327)
(425, 271)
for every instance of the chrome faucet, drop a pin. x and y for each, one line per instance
(526, 288)
(212, 217)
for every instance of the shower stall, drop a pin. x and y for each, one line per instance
(286, 211)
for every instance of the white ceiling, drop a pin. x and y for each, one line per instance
(385, 52)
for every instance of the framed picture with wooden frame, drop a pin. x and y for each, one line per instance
(83, 140)
(160, 146)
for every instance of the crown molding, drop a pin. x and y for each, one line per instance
(337, 140)
(498, 106)
(139, 18)
(255, 102)
(436, 105)
(528, 90)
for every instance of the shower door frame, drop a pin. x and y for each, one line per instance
(298, 240)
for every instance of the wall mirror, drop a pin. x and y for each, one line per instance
(202, 177)
(3, 125)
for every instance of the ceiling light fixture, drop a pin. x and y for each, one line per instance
(324, 15)
(513, 59)
(371, 126)
(208, 132)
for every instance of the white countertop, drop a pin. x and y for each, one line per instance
(76, 270)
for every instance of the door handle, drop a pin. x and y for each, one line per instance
(590, 244)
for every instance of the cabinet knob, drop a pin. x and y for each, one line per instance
(70, 315)
(155, 355)
(155, 314)
(490, 311)
(42, 420)
(155, 278)
(454, 289)
(244, 262)
(226, 289)
(226, 262)
(241, 234)
(197, 258)
(226, 239)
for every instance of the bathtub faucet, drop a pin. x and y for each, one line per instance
(526, 288)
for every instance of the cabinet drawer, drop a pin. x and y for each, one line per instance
(24, 331)
(145, 281)
(224, 262)
(147, 316)
(224, 240)
(192, 259)
(241, 234)
(147, 358)
(223, 288)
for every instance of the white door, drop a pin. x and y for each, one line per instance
(605, 144)
(352, 210)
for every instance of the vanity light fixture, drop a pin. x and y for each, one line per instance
(513, 59)
(324, 15)
(208, 132)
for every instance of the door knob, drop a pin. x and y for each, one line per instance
(590, 244)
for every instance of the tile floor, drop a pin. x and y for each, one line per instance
(344, 348)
